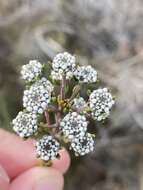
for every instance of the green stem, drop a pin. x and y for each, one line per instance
(76, 91)
(62, 90)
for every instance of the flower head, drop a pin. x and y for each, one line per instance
(36, 99)
(82, 146)
(56, 112)
(47, 148)
(101, 102)
(79, 103)
(25, 124)
(86, 74)
(31, 71)
(73, 125)
(63, 65)
(45, 83)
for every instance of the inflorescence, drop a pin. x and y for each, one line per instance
(54, 114)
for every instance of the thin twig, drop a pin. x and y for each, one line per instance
(58, 118)
(47, 118)
(62, 88)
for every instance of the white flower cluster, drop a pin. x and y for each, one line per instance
(74, 128)
(82, 146)
(86, 74)
(47, 85)
(36, 99)
(79, 103)
(25, 124)
(74, 125)
(101, 102)
(47, 148)
(31, 71)
(63, 65)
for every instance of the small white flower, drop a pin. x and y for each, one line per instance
(31, 71)
(45, 83)
(82, 146)
(25, 124)
(101, 102)
(56, 75)
(36, 99)
(63, 65)
(47, 148)
(79, 103)
(73, 125)
(86, 74)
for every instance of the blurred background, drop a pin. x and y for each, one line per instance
(108, 34)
